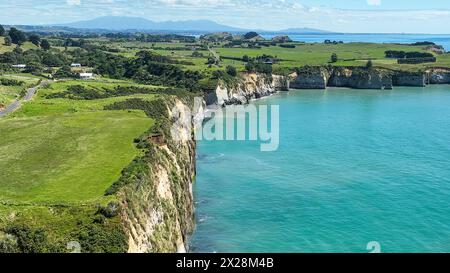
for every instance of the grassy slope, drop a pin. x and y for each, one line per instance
(25, 46)
(10, 93)
(3, 47)
(42, 106)
(67, 158)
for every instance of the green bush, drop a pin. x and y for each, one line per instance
(11, 82)
(30, 240)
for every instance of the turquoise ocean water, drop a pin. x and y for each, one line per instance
(353, 166)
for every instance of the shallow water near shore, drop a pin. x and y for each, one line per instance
(353, 166)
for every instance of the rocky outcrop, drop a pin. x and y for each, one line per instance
(351, 77)
(364, 78)
(438, 49)
(403, 78)
(438, 76)
(247, 87)
(310, 78)
(282, 39)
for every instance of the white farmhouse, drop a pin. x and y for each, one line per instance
(75, 65)
(86, 76)
(19, 66)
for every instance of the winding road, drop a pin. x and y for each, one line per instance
(17, 104)
(216, 56)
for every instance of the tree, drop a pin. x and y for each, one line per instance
(369, 64)
(65, 72)
(231, 70)
(334, 58)
(45, 45)
(258, 67)
(17, 36)
(35, 39)
(2, 31)
(17, 50)
(211, 60)
(251, 35)
(34, 68)
(8, 41)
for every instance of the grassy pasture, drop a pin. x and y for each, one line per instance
(41, 106)
(66, 158)
(4, 48)
(350, 54)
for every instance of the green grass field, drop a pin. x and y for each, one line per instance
(4, 48)
(9, 94)
(67, 158)
(67, 151)
(350, 54)
(41, 106)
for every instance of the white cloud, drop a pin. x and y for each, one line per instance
(374, 2)
(73, 2)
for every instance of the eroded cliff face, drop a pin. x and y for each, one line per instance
(157, 207)
(360, 78)
(253, 86)
(310, 78)
(438, 76)
(364, 78)
(351, 77)
(248, 86)
(402, 78)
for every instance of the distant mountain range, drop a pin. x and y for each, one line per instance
(123, 23)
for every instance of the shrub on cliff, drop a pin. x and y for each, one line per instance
(232, 71)
(309, 70)
(259, 68)
(29, 240)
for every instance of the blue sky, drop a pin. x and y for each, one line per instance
(382, 16)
